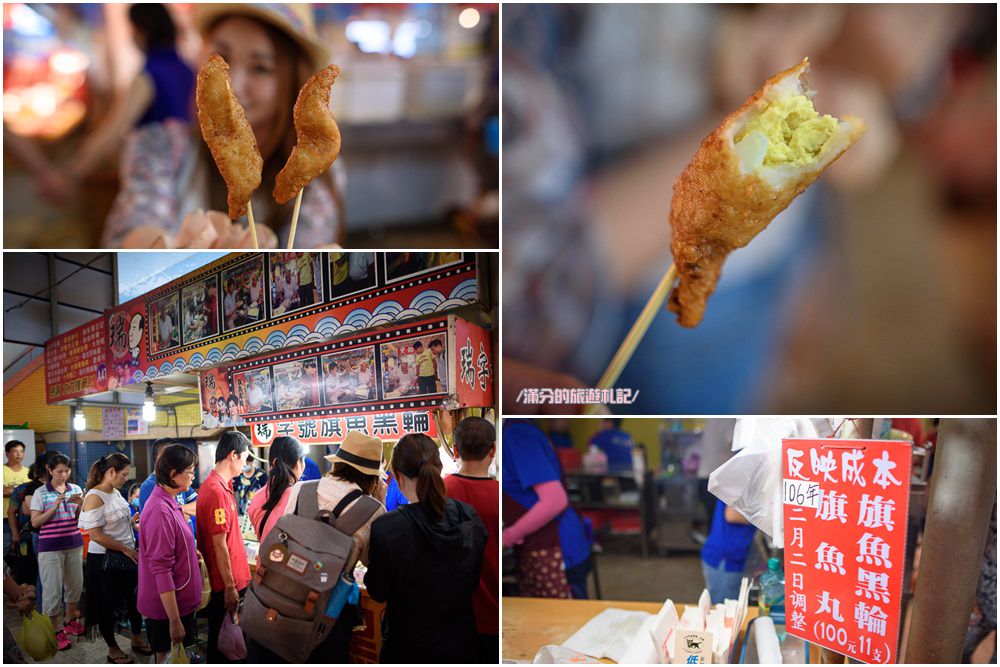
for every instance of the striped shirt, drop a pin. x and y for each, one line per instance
(61, 532)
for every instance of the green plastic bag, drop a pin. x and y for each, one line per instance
(178, 655)
(37, 637)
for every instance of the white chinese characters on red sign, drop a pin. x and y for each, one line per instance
(845, 508)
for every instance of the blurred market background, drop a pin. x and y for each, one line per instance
(416, 104)
(875, 291)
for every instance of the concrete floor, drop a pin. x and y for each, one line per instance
(85, 651)
(652, 579)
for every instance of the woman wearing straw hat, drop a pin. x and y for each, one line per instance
(167, 173)
(357, 464)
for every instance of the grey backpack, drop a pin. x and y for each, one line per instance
(299, 564)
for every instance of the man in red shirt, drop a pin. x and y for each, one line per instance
(475, 440)
(219, 537)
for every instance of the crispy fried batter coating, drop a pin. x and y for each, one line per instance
(318, 137)
(228, 134)
(718, 206)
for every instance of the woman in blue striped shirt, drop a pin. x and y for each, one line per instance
(55, 508)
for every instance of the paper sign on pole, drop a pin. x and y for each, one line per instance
(845, 510)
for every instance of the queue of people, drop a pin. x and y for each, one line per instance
(432, 561)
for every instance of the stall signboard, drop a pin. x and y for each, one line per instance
(324, 430)
(250, 304)
(473, 361)
(401, 368)
(845, 518)
(76, 363)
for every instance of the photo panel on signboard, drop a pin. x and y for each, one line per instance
(295, 281)
(200, 310)
(351, 273)
(415, 366)
(243, 288)
(164, 324)
(219, 406)
(403, 265)
(349, 376)
(254, 391)
(296, 384)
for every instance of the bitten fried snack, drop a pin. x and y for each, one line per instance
(317, 134)
(762, 156)
(228, 134)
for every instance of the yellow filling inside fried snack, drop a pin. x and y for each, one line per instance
(789, 132)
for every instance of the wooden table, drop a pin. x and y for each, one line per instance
(531, 623)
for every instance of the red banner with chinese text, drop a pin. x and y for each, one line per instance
(473, 365)
(76, 362)
(332, 429)
(845, 517)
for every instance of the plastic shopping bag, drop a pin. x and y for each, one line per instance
(231, 642)
(750, 482)
(37, 637)
(178, 655)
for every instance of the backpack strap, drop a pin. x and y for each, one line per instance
(308, 501)
(345, 501)
(358, 515)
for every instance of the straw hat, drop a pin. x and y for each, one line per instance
(360, 451)
(293, 19)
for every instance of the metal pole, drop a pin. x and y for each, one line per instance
(72, 443)
(53, 296)
(963, 491)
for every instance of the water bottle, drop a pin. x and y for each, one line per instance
(771, 601)
(595, 460)
(638, 464)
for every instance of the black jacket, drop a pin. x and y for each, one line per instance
(426, 571)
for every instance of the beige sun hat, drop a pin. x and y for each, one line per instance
(360, 451)
(293, 19)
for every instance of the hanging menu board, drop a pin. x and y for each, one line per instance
(76, 362)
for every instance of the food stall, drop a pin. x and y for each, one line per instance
(843, 509)
(295, 343)
(363, 382)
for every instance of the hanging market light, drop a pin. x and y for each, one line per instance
(469, 18)
(79, 420)
(149, 405)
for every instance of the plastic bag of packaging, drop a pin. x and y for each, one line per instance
(37, 637)
(750, 482)
(558, 655)
(231, 641)
(178, 655)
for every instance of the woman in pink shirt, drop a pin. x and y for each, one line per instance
(169, 578)
(287, 464)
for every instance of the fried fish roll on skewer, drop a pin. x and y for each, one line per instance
(228, 134)
(317, 135)
(762, 156)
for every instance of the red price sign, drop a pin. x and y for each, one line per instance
(845, 508)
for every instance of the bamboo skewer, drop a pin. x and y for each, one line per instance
(295, 218)
(635, 334)
(253, 227)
